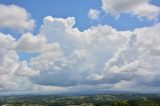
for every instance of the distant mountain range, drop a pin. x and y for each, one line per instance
(73, 93)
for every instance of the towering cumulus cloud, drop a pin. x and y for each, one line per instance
(99, 57)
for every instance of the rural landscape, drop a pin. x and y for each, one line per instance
(90, 100)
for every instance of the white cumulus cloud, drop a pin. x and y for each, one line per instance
(139, 8)
(15, 17)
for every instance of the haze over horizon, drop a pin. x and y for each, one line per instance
(84, 45)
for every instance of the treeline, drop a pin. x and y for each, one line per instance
(93, 103)
(98, 100)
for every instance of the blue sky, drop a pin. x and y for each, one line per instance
(72, 45)
(78, 9)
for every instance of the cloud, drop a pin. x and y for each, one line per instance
(34, 44)
(15, 17)
(13, 72)
(149, 41)
(100, 57)
(139, 8)
(94, 14)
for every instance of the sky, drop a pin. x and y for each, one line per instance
(79, 45)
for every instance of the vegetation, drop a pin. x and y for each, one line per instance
(92, 100)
